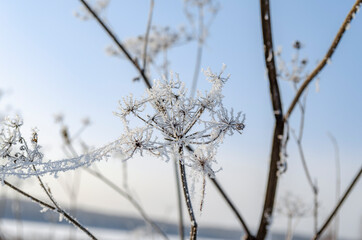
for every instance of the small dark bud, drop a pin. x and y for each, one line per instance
(297, 45)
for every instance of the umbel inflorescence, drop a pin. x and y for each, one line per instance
(170, 123)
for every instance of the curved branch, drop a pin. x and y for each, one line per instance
(229, 202)
(118, 43)
(324, 61)
(334, 212)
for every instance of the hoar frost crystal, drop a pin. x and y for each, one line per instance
(175, 123)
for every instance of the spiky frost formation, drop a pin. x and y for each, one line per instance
(167, 121)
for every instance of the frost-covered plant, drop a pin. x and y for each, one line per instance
(200, 14)
(295, 71)
(15, 154)
(159, 40)
(168, 130)
(176, 122)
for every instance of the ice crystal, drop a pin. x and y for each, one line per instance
(169, 123)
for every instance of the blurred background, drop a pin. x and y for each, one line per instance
(55, 65)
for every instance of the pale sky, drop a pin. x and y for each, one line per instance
(51, 62)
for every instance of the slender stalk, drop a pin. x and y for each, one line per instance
(193, 232)
(249, 236)
(179, 202)
(118, 43)
(315, 209)
(152, 3)
(120, 191)
(44, 204)
(34, 199)
(339, 204)
(338, 181)
(61, 211)
(200, 43)
(129, 198)
(327, 57)
(279, 123)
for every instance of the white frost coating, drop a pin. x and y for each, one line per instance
(348, 26)
(61, 217)
(175, 121)
(270, 55)
(44, 209)
(317, 86)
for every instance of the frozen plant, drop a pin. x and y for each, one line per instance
(160, 40)
(177, 122)
(168, 130)
(295, 71)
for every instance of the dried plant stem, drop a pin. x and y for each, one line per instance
(179, 202)
(193, 233)
(279, 123)
(61, 211)
(200, 43)
(229, 202)
(44, 204)
(148, 28)
(129, 198)
(339, 204)
(119, 191)
(118, 43)
(233, 208)
(338, 181)
(324, 61)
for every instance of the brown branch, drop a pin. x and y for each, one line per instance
(63, 212)
(59, 210)
(324, 61)
(40, 202)
(118, 43)
(249, 236)
(229, 202)
(335, 210)
(279, 123)
(128, 197)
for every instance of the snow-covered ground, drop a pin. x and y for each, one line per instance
(26, 230)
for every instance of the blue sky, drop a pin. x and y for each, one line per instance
(51, 62)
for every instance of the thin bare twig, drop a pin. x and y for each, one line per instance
(338, 180)
(279, 123)
(68, 142)
(200, 43)
(40, 202)
(249, 236)
(128, 197)
(56, 208)
(324, 61)
(61, 211)
(147, 35)
(118, 43)
(339, 204)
